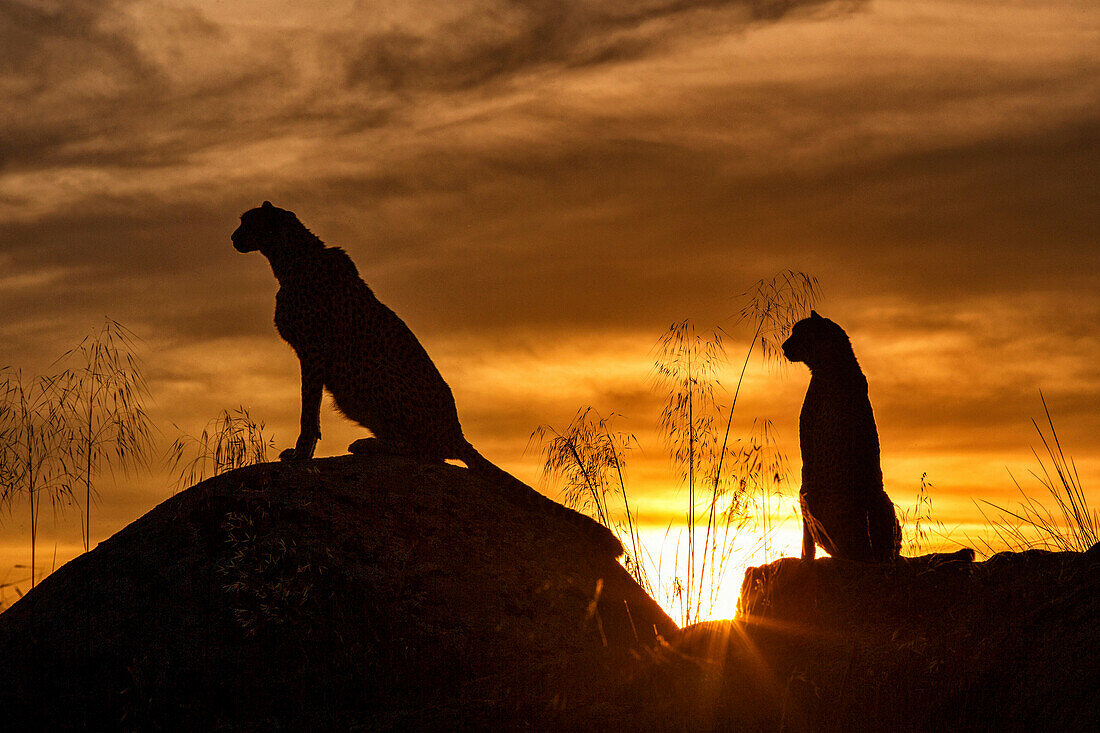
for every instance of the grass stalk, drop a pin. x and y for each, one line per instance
(1070, 525)
(32, 434)
(718, 480)
(103, 398)
(232, 440)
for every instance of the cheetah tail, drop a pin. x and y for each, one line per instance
(524, 495)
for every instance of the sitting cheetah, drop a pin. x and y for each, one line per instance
(844, 508)
(377, 371)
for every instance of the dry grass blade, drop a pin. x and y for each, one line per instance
(589, 460)
(917, 523)
(775, 304)
(1070, 525)
(103, 397)
(230, 441)
(730, 483)
(33, 433)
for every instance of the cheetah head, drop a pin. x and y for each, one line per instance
(266, 228)
(815, 341)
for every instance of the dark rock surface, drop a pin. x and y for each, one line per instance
(377, 593)
(931, 643)
(346, 592)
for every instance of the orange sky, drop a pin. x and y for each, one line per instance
(539, 188)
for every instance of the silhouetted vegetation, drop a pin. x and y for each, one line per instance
(730, 484)
(232, 440)
(1068, 525)
(919, 524)
(589, 460)
(58, 431)
(33, 434)
(349, 593)
(102, 403)
(61, 431)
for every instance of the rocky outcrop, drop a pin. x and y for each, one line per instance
(931, 643)
(377, 593)
(347, 591)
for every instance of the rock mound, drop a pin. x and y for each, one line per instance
(332, 593)
(931, 643)
(379, 593)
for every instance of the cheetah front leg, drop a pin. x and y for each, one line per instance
(312, 386)
(809, 547)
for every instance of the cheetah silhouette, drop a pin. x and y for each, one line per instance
(844, 507)
(375, 368)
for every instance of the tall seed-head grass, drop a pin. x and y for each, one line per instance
(230, 441)
(103, 399)
(918, 523)
(589, 459)
(687, 370)
(1065, 524)
(33, 435)
(739, 514)
(761, 472)
(773, 305)
(730, 483)
(57, 431)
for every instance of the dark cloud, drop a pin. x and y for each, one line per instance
(596, 233)
(145, 86)
(494, 40)
(122, 85)
(602, 236)
(42, 44)
(46, 49)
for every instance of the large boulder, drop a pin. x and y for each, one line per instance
(331, 593)
(931, 643)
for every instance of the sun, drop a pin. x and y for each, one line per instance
(714, 594)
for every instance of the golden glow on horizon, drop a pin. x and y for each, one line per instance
(267, 370)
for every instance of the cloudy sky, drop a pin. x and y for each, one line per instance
(540, 187)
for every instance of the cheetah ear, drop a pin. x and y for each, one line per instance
(813, 314)
(267, 205)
